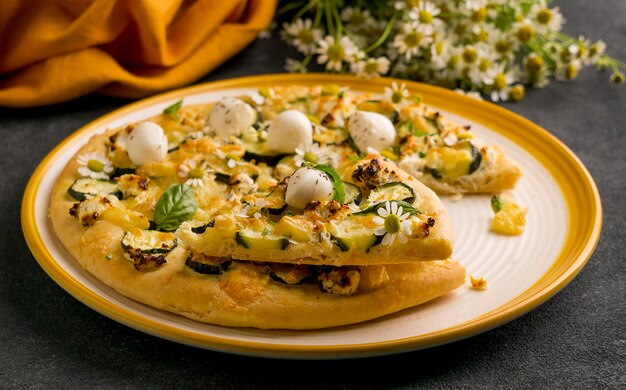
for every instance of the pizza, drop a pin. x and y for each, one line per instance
(298, 208)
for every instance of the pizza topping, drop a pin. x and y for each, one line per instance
(131, 184)
(353, 193)
(263, 240)
(87, 188)
(371, 130)
(393, 223)
(147, 143)
(148, 241)
(176, 205)
(289, 273)
(449, 163)
(95, 166)
(339, 280)
(306, 185)
(204, 264)
(289, 130)
(394, 190)
(231, 116)
(89, 210)
(510, 217)
(478, 283)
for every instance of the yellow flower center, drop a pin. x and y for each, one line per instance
(525, 33)
(357, 19)
(95, 166)
(392, 223)
(371, 67)
(469, 55)
(305, 36)
(196, 173)
(534, 64)
(482, 36)
(336, 52)
(425, 17)
(412, 3)
(310, 157)
(453, 61)
(544, 16)
(479, 15)
(397, 96)
(503, 46)
(499, 82)
(439, 47)
(571, 72)
(516, 93)
(484, 64)
(412, 39)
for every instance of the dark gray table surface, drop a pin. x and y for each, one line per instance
(575, 340)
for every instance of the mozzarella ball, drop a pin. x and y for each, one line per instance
(288, 130)
(371, 129)
(146, 143)
(231, 116)
(306, 185)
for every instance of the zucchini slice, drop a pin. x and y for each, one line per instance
(353, 235)
(254, 240)
(148, 241)
(394, 190)
(85, 187)
(275, 199)
(259, 152)
(452, 162)
(207, 265)
(202, 228)
(290, 273)
(353, 193)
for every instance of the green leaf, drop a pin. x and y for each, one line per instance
(173, 109)
(177, 205)
(340, 192)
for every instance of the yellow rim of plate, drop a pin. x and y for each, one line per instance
(577, 185)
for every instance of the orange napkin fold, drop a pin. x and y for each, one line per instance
(56, 50)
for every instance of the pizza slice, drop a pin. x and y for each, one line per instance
(439, 152)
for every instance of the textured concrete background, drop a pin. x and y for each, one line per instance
(575, 340)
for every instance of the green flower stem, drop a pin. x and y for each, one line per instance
(305, 9)
(338, 22)
(319, 10)
(329, 18)
(289, 6)
(383, 37)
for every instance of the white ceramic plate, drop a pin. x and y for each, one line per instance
(564, 221)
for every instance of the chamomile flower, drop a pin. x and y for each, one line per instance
(546, 19)
(439, 53)
(252, 210)
(302, 35)
(504, 45)
(356, 19)
(424, 17)
(313, 154)
(95, 166)
(294, 66)
(498, 78)
(410, 41)
(397, 93)
(474, 5)
(566, 71)
(371, 67)
(393, 223)
(334, 52)
(193, 172)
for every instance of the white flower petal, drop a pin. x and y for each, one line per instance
(380, 231)
(378, 220)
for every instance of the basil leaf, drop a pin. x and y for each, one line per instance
(340, 192)
(173, 109)
(175, 206)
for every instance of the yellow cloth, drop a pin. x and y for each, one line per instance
(56, 50)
